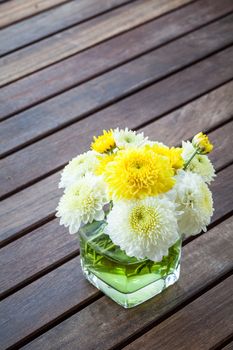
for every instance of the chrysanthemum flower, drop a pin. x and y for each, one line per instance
(201, 141)
(82, 203)
(194, 200)
(174, 154)
(200, 164)
(137, 173)
(104, 142)
(143, 228)
(128, 138)
(77, 168)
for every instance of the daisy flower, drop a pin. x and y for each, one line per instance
(143, 228)
(77, 168)
(194, 201)
(82, 203)
(200, 164)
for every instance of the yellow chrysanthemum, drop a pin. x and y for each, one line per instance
(103, 162)
(202, 142)
(104, 142)
(137, 173)
(173, 154)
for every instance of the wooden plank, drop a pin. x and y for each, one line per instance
(198, 326)
(80, 37)
(60, 76)
(24, 258)
(49, 22)
(86, 98)
(212, 259)
(134, 110)
(27, 257)
(15, 10)
(40, 200)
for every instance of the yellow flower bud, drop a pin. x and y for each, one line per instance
(201, 141)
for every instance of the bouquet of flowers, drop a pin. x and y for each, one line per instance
(147, 195)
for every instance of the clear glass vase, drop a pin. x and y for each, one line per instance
(127, 280)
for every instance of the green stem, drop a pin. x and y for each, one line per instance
(106, 249)
(94, 237)
(190, 159)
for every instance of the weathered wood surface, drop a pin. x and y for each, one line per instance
(83, 36)
(47, 23)
(216, 323)
(60, 76)
(143, 106)
(162, 67)
(40, 250)
(80, 102)
(15, 10)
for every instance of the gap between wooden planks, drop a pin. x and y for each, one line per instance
(83, 36)
(214, 107)
(41, 120)
(140, 108)
(53, 21)
(211, 261)
(107, 55)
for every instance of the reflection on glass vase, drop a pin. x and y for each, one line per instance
(127, 280)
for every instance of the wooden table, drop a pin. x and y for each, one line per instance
(69, 69)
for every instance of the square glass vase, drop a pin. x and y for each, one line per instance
(126, 280)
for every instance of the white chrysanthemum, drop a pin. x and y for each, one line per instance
(77, 168)
(200, 164)
(128, 138)
(145, 228)
(82, 203)
(194, 201)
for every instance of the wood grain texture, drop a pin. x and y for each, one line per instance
(216, 323)
(15, 10)
(49, 81)
(204, 260)
(163, 67)
(204, 113)
(84, 99)
(35, 252)
(139, 108)
(49, 22)
(66, 287)
(40, 200)
(80, 37)
(33, 205)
